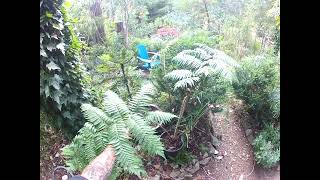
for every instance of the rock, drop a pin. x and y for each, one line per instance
(57, 155)
(175, 166)
(218, 157)
(205, 161)
(225, 153)
(215, 141)
(248, 132)
(174, 173)
(194, 161)
(250, 138)
(65, 177)
(194, 169)
(205, 155)
(156, 166)
(188, 177)
(156, 177)
(213, 150)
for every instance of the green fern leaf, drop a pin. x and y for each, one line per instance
(127, 157)
(184, 83)
(159, 117)
(187, 61)
(145, 135)
(142, 99)
(114, 106)
(179, 74)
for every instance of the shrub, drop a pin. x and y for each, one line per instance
(202, 80)
(267, 146)
(124, 126)
(257, 83)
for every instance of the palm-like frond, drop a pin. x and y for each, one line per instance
(114, 106)
(184, 83)
(142, 99)
(179, 74)
(145, 135)
(186, 60)
(159, 117)
(126, 155)
(96, 116)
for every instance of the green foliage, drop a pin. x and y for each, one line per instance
(206, 74)
(122, 126)
(183, 157)
(200, 63)
(203, 148)
(257, 83)
(63, 79)
(267, 146)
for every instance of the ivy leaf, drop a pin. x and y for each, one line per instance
(58, 26)
(49, 15)
(55, 81)
(67, 4)
(67, 115)
(61, 47)
(55, 36)
(47, 91)
(50, 47)
(43, 53)
(52, 66)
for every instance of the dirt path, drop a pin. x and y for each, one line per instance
(238, 162)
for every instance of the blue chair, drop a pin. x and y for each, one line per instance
(143, 56)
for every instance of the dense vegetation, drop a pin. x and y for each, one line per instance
(92, 89)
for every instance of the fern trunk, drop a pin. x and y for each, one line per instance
(182, 109)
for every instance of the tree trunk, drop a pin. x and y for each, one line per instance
(125, 80)
(126, 22)
(207, 12)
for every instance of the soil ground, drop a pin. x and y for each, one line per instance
(238, 162)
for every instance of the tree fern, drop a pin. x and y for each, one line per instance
(200, 62)
(179, 74)
(118, 124)
(187, 82)
(142, 99)
(159, 117)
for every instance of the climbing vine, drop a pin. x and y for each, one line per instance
(62, 77)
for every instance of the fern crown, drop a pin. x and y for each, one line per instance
(201, 62)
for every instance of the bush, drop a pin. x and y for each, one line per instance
(257, 83)
(267, 146)
(124, 125)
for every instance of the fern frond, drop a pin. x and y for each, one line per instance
(142, 99)
(179, 74)
(159, 117)
(187, 60)
(199, 53)
(145, 135)
(184, 83)
(127, 157)
(115, 173)
(96, 116)
(114, 106)
(205, 70)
